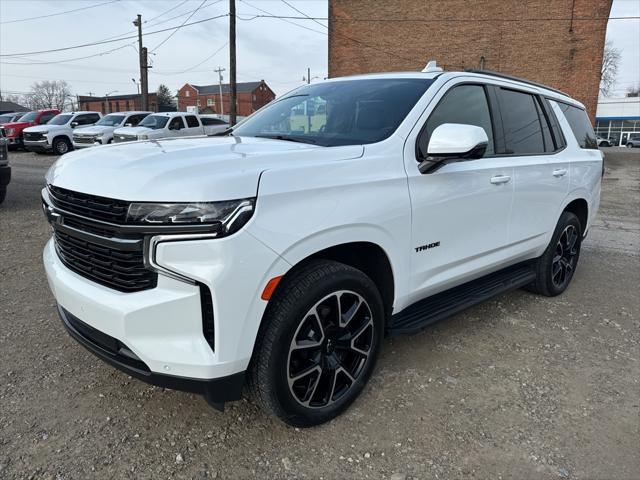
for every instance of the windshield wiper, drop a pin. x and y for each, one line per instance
(223, 132)
(288, 138)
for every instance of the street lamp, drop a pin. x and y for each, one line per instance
(137, 85)
(106, 99)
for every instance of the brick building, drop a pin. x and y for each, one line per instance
(559, 43)
(116, 103)
(250, 97)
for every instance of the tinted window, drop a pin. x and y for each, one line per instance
(466, 104)
(580, 125)
(176, 123)
(135, 119)
(46, 117)
(344, 112)
(522, 125)
(212, 121)
(192, 121)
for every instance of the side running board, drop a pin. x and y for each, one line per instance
(432, 309)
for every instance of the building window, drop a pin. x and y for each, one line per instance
(210, 102)
(127, 104)
(198, 102)
(187, 93)
(254, 98)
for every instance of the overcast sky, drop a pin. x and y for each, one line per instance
(268, 48)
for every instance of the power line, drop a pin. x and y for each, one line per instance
(302, 13)
(106, 52)
(178, 28)
(59, 13)
(194, 66)
(167, 11)
(83, 45)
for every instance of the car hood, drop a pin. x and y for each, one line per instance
(185, 170)
(46, 128)
(95, 129)
(15, 124)
(132, 130)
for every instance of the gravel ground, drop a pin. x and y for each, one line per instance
(519, 387)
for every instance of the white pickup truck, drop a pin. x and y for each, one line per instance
(102, 132)
(168, 125)
(57, 134)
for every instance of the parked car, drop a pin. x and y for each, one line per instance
(11, 117)
(5, 169)
(166, 125)
(603, 142)
(102, 132)
(57, 135)
(633, 141)
(280, 259)
(14, 130)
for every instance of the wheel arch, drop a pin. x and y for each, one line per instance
(580, 208)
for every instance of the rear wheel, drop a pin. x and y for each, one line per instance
(319, 343)
(557, 265)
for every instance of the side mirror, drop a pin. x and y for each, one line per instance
(454, 142)
(128, 125)
(74, 124)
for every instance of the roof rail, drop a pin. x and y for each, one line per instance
(517, 79)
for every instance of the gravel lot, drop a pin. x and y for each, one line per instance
(519, 387)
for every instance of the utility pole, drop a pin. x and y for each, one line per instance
(219, 70)
(308, 75)
(142, 53)
(232, 61)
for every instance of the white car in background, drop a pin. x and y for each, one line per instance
(169, 125)
(102, 132)
(57, 135)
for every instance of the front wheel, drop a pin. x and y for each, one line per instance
(61, 146)
(557, 265)
(318, 345)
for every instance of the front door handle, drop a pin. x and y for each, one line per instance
(498, 179)
(561, 172)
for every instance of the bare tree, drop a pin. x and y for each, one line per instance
(49, 94)
(634, 91)
(609, 72)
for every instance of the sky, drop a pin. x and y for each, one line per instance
(276, 50)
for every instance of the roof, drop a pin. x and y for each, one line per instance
(6, 107)
(240, 87)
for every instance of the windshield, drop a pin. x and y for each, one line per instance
(29, 117)
(345, 112)
(111, 120)
(5, 118)
(60, 119)
(154, 122)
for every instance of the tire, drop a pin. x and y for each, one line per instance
(61, 145)
(3, 193)
(557, 265)
(629, 145)
(334, 363)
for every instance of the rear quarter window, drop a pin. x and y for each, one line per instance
(580, 125)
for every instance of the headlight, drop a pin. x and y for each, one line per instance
(44, 134)
(231, 214)
(9, 131)
(143, 137)
(99, 135)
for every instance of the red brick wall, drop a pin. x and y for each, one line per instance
(560, 53)
(246, 103)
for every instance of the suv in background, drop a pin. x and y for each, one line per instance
(102, 132)
(280, 256)
(5, 169)
(57, 135)
(11, 117)
(14, 130)
(633, 141)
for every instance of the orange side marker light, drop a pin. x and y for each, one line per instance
(270, 287)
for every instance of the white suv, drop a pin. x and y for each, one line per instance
(57, 134)
(280, 254)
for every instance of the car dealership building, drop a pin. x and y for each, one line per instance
(616, 118)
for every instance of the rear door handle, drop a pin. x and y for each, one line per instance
(561, 172)
(498, 179)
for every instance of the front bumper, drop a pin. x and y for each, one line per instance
(38, 145)
(216, 391)
(79, 145)
(163, 326)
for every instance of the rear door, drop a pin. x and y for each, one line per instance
(460, 212)
(193, 125)
(536, 149)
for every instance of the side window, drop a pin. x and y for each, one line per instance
(135, 119)
(176, 123)
(93, 118)
(81, 119)
(192, 121)
(46, 117)
(522, 122)
(462, 104)
(580, 125)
